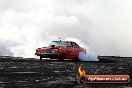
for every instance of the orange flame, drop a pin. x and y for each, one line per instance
(81, 71)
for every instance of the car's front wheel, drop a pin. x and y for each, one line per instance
(40, 57)
(62, 56)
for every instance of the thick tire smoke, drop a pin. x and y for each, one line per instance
(87, 57)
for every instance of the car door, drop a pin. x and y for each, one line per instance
(76, 49)
(69, 50)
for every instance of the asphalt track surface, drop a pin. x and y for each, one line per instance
(33, 73)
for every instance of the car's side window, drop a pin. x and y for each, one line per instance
(77, 46)
(68, 45)
(73, 45)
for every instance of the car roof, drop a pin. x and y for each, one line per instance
(62, 41)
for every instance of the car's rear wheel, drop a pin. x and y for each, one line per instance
(76, 59)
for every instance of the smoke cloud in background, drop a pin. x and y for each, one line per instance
(104, 26)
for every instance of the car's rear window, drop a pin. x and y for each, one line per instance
(57, 43)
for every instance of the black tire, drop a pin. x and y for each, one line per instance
(76, 59)
(40, 57)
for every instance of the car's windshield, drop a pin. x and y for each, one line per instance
(57, 43)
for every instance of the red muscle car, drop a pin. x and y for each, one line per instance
(60, 50)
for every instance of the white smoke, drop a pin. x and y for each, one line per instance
(28, 24)
(89, 55)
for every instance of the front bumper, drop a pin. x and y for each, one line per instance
(44, 55)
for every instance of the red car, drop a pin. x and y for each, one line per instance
(60, 50)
